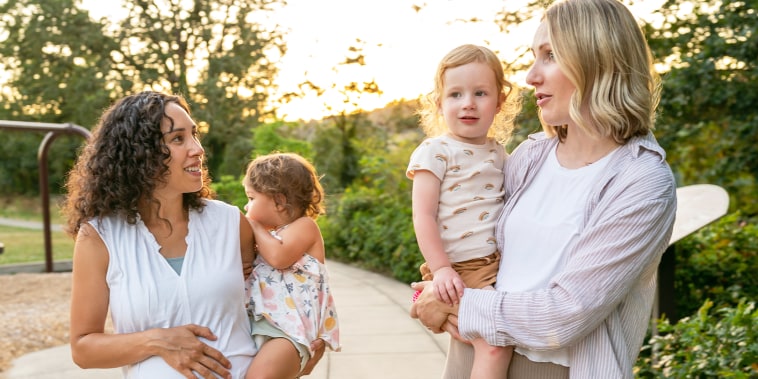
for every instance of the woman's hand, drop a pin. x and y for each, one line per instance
(451, 327)
(431, 312)
(318, 346)
(181, 348)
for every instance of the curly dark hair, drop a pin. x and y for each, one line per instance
(291, 176)
(123, 162)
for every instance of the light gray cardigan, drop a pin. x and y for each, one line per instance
(599, 306)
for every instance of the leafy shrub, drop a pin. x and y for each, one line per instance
(229, 189)
(371, 225)
(718, 344)
(718, 262)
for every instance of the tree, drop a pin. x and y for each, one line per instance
(709, 107)
(282, 137)
(52, 80)
(217, 53)
(336, 143)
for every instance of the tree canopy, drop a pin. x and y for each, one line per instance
(65, 66)
(708, 119)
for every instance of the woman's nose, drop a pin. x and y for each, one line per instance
(197, 149)
(532, 76)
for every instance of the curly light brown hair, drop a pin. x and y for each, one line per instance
(124, 162)
(290, 176)
(432, 122)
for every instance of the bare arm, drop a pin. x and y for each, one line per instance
(247, 246)
(91, 347)
(301, 236)
(318, 346)
(448, 285)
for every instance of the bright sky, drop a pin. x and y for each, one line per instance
(402, 46)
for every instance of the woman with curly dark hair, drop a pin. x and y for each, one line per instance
(154, 250)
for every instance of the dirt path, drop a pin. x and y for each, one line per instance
(34, 313)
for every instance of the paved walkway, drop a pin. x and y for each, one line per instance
(379, 339)
(27, 224)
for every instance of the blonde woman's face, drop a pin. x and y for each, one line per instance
(552, 88)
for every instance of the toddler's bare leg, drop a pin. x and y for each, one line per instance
(276, 359)
(490, 362)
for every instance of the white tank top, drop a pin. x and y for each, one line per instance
(145, 292)
(545, 220)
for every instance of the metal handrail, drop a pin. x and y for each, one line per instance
(53, 131)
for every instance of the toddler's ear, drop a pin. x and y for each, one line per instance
(281, 201)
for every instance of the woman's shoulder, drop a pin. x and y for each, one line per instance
(643, 165)
(645, 156)
(646, 146)
(536, 142)
(215, 203)
(215, 207)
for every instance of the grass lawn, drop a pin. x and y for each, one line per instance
(29, 208)
(28, 245)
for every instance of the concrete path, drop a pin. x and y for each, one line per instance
(379, 339)
(27, 224)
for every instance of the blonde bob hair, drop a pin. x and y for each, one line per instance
(432, 122)
(601, 49)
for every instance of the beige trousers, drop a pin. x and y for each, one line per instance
(460, 359)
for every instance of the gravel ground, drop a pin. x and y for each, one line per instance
(34, 313)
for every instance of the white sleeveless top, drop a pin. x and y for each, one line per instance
(146, 293)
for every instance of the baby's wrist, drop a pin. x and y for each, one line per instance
(441, 269)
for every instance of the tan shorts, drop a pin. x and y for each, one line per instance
(475, 273)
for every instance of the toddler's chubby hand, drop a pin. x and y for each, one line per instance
(448, 286)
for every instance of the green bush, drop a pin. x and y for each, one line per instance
(371, 224)
(229, 189)
(718, 344)
(718, 262)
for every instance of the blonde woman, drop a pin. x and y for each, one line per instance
(590, 206)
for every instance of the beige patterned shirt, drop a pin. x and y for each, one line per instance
(471, 192)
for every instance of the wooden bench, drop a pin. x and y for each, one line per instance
(697, 206)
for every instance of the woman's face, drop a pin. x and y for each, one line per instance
(552, 88)
(185, 173)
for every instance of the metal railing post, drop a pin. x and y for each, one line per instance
(53, 131)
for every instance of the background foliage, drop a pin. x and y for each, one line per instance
(708, 121)
(214, 52)
(712, 343)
